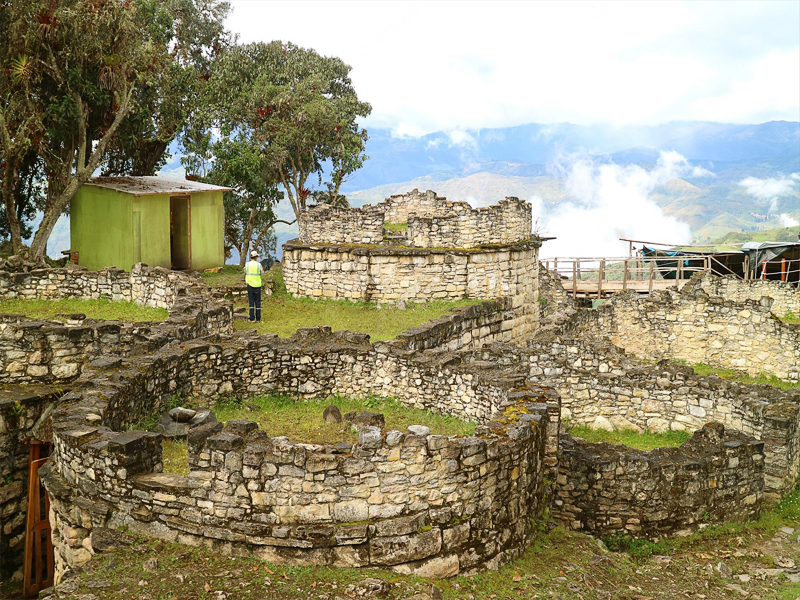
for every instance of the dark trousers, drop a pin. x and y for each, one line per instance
(254, 299)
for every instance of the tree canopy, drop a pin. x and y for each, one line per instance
(75, 70)
(300, 107)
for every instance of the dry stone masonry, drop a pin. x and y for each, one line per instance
(695, 327)
(416, 502)
(42, 351)
(449, 251)
(410, 500)
(714, 477)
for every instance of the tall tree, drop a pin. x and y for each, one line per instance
(194, 33)
(237, 162)
(301, 108)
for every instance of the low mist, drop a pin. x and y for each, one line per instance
(609, 201)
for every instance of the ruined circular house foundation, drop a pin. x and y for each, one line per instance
(442, 251)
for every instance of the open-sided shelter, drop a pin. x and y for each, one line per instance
(120, 221)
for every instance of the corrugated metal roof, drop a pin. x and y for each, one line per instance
(152, 186)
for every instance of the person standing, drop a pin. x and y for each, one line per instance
(252, 277)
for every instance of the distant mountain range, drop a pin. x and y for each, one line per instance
(482, 166)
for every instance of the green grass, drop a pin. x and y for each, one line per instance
(630, 438)
(101, 309)
(230, 276)
(175, 456)
(790, 318)
(283, 315)
(395, 226)
(741, 377)
(301, 421)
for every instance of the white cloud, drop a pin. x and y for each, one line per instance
(437, 66)
(771, 188)
(789, 221)
(610, 201)
(459, 137)
(702, 172)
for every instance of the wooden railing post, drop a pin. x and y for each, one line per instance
(600, 274)
(650, 286)
(574, 278)
(625, 276)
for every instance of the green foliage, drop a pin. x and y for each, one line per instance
(164, 103)
(791, 318)
(302, 109)
(630, 438)
(237, 161)
(395, 226)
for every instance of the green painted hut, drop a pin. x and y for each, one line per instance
(120, 221)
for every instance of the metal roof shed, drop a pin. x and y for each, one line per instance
(120, 221)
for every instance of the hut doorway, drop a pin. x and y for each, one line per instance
(180, 227)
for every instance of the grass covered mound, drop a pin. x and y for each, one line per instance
(630, 438)
(301, 421)
(283, 315)
(742, 377)
(101, 309)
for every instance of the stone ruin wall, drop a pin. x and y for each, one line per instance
(694, 327)
(398, 207)
(416, 502)
(416, 275)
(603, 388)
(156, 287)
(786, 298)
(714, 477)
(433, 222)
(325, 224)
(33, 350)
(461, 226)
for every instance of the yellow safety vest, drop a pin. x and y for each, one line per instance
(252, 273)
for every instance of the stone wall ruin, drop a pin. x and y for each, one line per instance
(420, 503)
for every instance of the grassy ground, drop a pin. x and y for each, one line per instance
(230, 276)
(630, 438)
(561, 565)
(283, 315)
(101, 309)
(395, 226)
(741, 377)
(301, 421)
(791, 318)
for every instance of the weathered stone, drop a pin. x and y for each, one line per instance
(332, 414)
(182, 415)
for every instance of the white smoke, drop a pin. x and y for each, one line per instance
(789, 221)
(771, 188)
(609, 202)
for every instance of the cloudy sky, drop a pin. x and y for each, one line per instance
(429, 66)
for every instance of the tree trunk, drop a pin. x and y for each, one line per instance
(82, 173)
(9, 185)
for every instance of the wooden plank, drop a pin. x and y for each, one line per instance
(650, 289)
